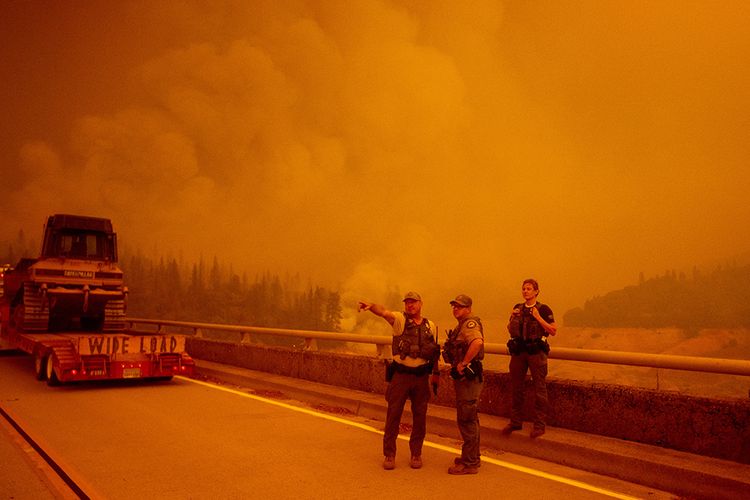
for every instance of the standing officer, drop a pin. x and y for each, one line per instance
(415, 355)
(530, 323)
(464, 350)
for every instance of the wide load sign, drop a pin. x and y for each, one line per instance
(131, 344)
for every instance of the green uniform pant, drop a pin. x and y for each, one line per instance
(537, 365)
(467, 417)
(405, 386)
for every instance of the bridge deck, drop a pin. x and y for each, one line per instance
(688, 474)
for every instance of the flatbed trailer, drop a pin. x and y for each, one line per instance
(80, 356)
(67, 309)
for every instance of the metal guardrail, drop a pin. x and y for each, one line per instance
(383, 344)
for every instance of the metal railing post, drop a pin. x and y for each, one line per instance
(311, 344)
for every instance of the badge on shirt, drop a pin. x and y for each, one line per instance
(471, 324)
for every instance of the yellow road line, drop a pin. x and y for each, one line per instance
(285, 405)
(369, 428)
(538, 473)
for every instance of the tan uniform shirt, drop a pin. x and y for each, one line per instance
(469, 332)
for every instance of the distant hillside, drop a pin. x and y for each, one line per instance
(719, 299)
(708, 343)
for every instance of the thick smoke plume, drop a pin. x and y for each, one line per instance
(384, 146)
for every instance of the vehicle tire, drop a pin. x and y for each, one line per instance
(51, 375)
(40, 366)
(16, 317)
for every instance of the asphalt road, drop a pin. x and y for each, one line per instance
(191, 439)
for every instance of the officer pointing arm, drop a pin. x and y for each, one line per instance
(415, 351)
(413, 310)
(377, 310)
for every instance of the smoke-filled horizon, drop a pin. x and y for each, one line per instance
(375, 145)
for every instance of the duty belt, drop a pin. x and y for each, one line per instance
(418, 370)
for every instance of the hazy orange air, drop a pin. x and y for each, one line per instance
(447, 147)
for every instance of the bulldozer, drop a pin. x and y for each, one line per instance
(75, 284)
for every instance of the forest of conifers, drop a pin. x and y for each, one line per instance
(166, 288)
(170, 289)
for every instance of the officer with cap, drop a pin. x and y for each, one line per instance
(415, 356)
(464, 350)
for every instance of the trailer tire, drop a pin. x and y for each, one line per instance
(40, 366)
(16, 317)
(52, 379)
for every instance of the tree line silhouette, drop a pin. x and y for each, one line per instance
(171, 289)
(717, 299)
(166, 288)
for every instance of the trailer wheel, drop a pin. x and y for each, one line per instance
(51, 375)
(16, 317)
(40, 366)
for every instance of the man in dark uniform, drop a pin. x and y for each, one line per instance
(415, 355)
(530, 324)
(464, 350)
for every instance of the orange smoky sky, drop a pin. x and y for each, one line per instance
(447, 147)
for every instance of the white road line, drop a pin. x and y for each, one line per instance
(501, 463)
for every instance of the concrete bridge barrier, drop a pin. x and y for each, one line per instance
(711, 427)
